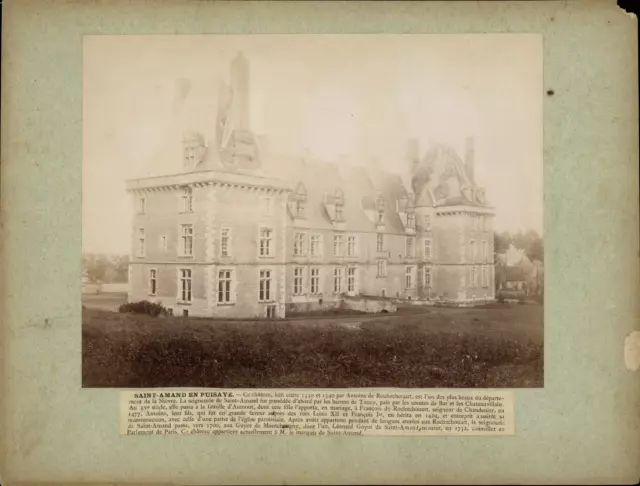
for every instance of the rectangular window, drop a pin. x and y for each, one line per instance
(225, 286)
(271, 311)
(339, 212)
(427, 278)
(473, 277)
(484, 252)
(142, 205)
(267, 205)
(298, 275)
(427, 222)
(185, 285)
(408, 277)
(484, 279)
(410, 246)
(141, 242)
(266, 242)
(299, 247)
(380, 216)
(315, 280)
(153, 281)
(337, 280)
(351, 279)
(381, 269)
(316, 245)
(338, 243)
(187, 201)
(265, 294)
(351, 246)
(380, 242)
(186, 239)
(225, 239)
(472, 251)
(163, 243)
(428, 249)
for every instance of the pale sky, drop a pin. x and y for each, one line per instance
(325, 95)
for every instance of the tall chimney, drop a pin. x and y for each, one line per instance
(413, 155)
(411, 160)
(240, 89)
(469, 158)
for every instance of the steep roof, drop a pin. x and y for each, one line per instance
(361, 187)
(442, 175)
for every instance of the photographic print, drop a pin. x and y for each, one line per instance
(313, 211)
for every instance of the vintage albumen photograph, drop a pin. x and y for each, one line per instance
(313, 211)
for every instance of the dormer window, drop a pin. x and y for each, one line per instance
(186, 200)
(298, 201)
(427, 222)
(334, 207)
(192, 150)
(411, 220)
(189, 157)
(379, 210)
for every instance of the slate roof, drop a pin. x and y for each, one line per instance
(361, 187)
(440, 164)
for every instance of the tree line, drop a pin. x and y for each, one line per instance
(531, 244)
(100, 268)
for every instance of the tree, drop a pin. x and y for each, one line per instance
(501, 243)
(95, 267)
(121, 268)
(532, 245)
(105, 268)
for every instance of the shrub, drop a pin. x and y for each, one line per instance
(143, 307)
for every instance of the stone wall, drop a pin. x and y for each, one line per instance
(368, 304)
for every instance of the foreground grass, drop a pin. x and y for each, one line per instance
(444, 348)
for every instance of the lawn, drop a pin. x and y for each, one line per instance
(496, 347)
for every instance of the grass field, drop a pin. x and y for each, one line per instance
(498, 347)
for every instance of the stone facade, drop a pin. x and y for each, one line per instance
(270, 235)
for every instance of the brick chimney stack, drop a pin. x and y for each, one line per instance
(413, 155)
(469, 158)
(411, 160)
(240, 89)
